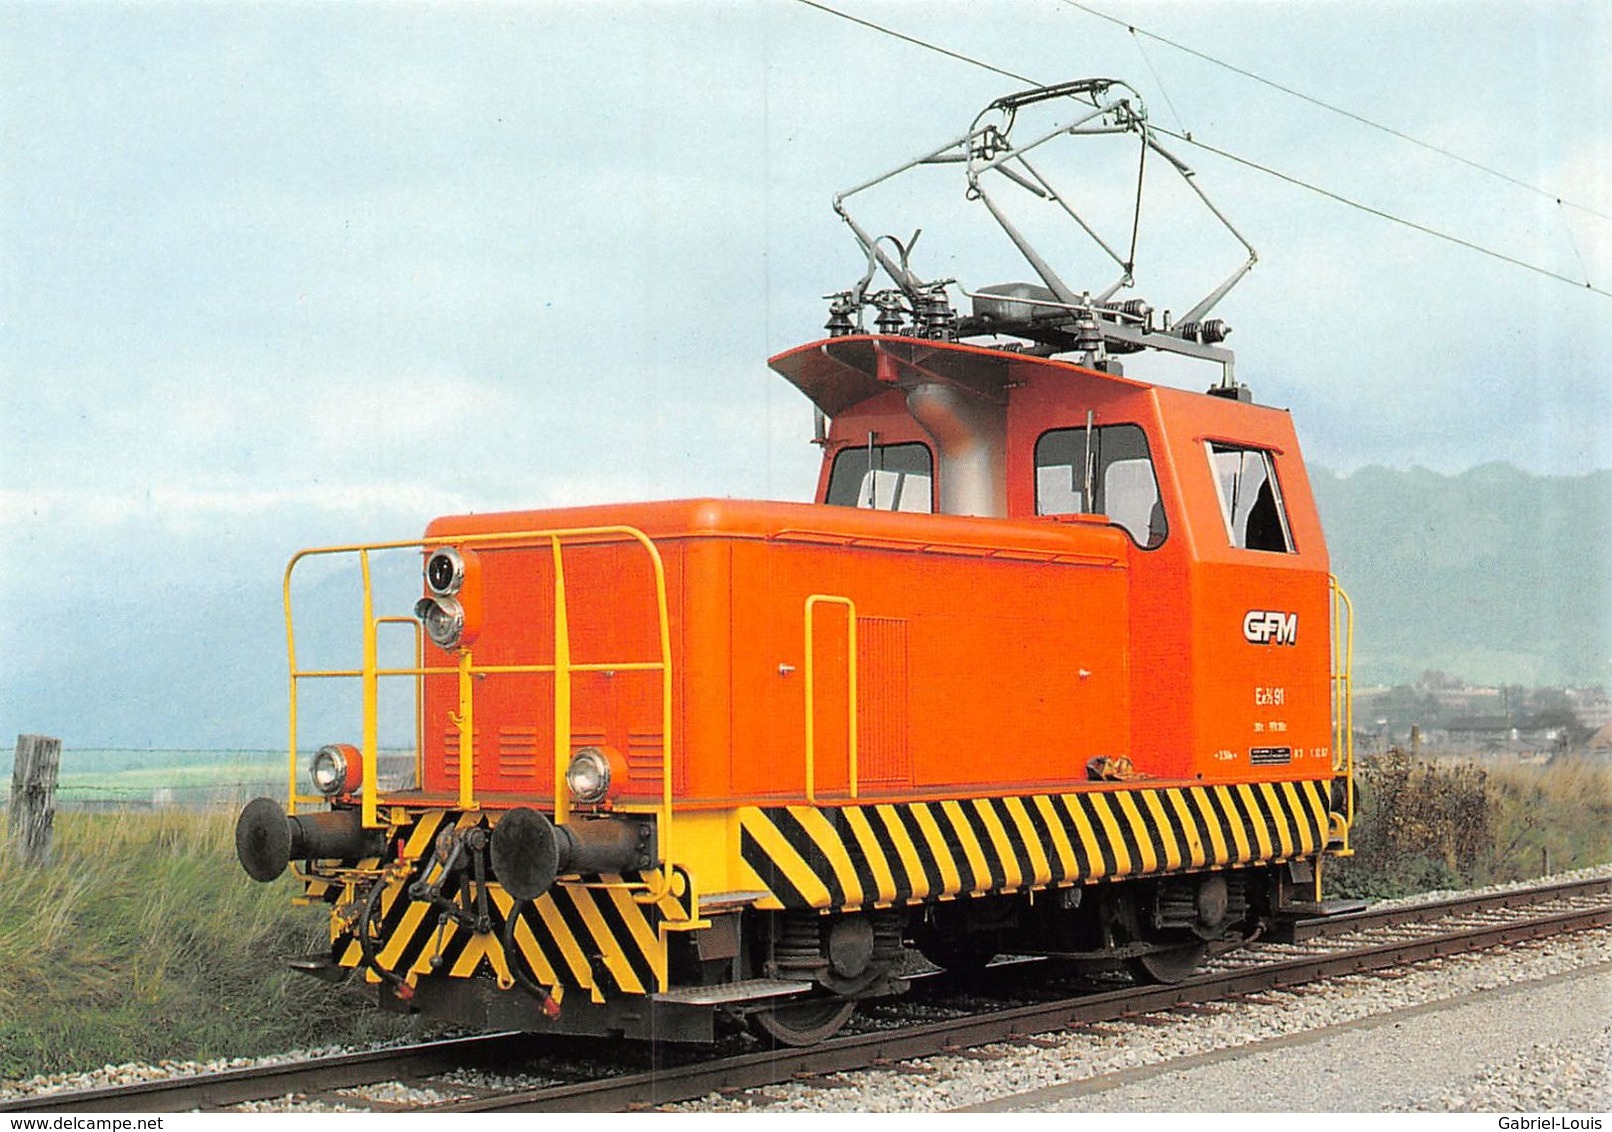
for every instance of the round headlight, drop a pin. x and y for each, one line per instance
(335, 769)
(444, 620)
(445, 571)
(588, 776)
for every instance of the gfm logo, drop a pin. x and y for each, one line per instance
(1268, 627)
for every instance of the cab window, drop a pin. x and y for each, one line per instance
(885, 477)
(1250, 498)
(1122, 482)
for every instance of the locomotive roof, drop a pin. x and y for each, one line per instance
(837, 374)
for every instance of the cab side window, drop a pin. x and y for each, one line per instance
(1250, 498)
(1122, 482)
(884, 477)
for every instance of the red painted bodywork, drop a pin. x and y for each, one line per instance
(996, 655)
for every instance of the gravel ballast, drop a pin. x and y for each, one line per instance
(1521, 1029)
(1518, 1047)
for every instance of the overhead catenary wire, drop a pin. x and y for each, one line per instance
(1573, 242)
(1158, 81)
(1581, 284)
(1187, 138)
(1339, 110)
(916, 42)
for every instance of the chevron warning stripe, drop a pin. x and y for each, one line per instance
(595, 937)
(810, 857)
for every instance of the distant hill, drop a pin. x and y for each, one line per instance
(1493, 575)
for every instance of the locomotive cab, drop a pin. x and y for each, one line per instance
(1228, 595)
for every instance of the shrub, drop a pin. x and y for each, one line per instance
(1418, 826)
(1422, 825)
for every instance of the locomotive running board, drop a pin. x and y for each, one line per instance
(320, 967)
(746, 990)
(1300, 912)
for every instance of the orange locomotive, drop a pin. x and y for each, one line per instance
(1053, 665)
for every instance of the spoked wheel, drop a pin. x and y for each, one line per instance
(802, 1023)
(1171, 965)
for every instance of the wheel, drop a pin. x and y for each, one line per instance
(1169, 966)
(801, 1023)
(1179, 949)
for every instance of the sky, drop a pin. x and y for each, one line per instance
(286, 274)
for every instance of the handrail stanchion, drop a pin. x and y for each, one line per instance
(291, 660)
(371, 749)
(562, 688)
(664, 838)
(419, 700)
(811, 693)
(466, 719)
(1343, 645)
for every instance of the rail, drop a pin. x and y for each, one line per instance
(465, 670)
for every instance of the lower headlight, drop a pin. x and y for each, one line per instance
(444, 620)
(588, 776)
(337, 768)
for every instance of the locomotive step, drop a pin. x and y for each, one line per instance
(745, 990)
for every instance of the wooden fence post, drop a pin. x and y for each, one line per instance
(33, 796)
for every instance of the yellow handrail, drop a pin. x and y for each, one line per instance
(465, 718)
(372, 693)
(370, 673)
(419, 709)
(562, 688)
(812, 603)
(1343, 711)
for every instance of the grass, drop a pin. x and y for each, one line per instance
(143, 940)
(113, 777)
(1563, 811)
(200, 784)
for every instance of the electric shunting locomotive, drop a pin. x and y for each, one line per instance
(1052, 665)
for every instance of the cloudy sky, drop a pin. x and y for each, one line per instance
(291, 273)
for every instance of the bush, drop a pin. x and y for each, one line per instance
(1418, 826)
(1421, 826)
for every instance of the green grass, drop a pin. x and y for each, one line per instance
(1563, 810)
(123, 777)
(142, 939)
(189, 785)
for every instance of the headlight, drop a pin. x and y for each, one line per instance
(588, 776)
(445, 571)
(337, 768)
(444, 620)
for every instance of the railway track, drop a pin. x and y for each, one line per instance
(434, 1075)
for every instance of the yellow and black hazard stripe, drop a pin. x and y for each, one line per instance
(598, 939)
(852, 856)
(595, 935)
